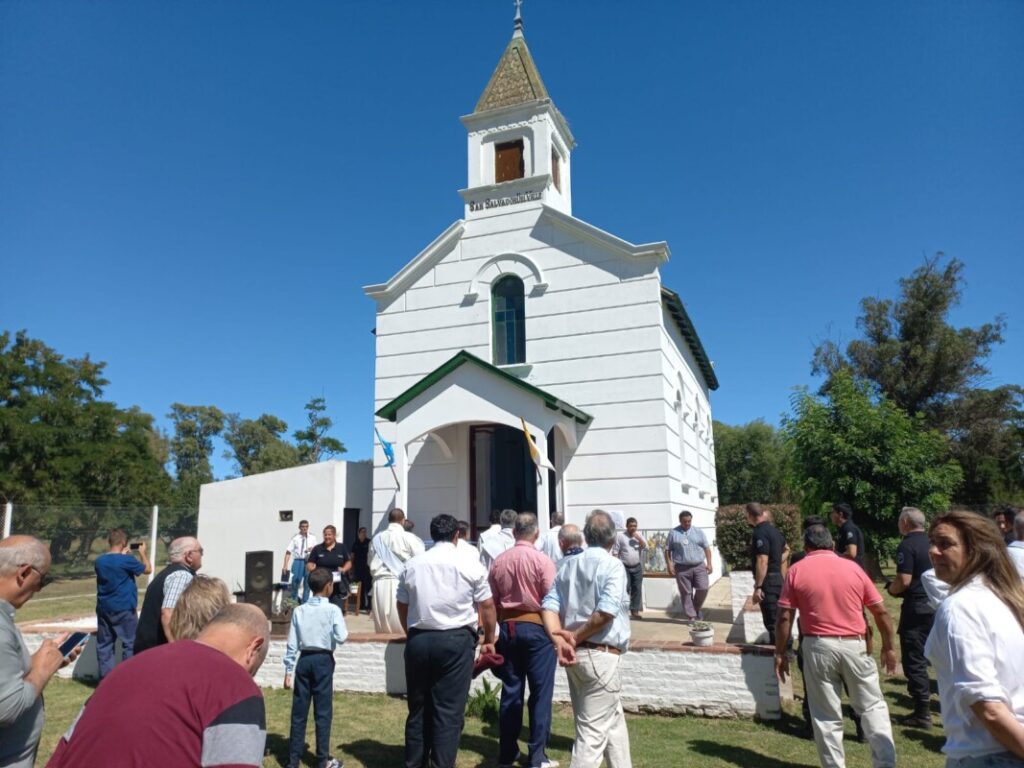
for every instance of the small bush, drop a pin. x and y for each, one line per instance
(732, 531)
(485, 702)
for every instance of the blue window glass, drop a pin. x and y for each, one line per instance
(508, 308)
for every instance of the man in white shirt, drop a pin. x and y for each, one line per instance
(295, 560)
(498, 537)
(548, 541)
(462, 544)
(391, 549)
(586, 615)
(439, 597)
(1016, 547)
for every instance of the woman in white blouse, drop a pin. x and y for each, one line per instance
(977, 643)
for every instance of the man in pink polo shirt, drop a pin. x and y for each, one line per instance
(520, 578)
(831, 594)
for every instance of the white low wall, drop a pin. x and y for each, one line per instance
(720, 681)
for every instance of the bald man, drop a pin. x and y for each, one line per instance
(186, 556)
(180, 705)
(24, 570)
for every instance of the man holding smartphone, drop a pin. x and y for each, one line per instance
(117, 598)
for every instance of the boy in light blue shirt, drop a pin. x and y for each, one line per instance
(317, 628)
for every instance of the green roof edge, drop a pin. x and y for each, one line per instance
(679, 314)
(390, 411)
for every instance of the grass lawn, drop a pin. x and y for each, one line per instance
(368, 729)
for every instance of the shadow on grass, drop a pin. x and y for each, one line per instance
(930, 741)
(555, 741)
(742, 757)
(375, 753)
(789, 724)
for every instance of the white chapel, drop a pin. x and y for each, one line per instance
(520, 313)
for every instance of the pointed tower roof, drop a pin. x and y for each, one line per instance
(515, 79)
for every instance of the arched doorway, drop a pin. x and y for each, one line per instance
(502, 474)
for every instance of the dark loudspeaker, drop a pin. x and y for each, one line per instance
(259, 580)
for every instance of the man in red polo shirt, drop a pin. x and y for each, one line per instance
(831, 594)
(520, 578)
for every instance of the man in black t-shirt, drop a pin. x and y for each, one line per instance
(768, 550)
(916, 615)
(849, 539)
(332, 555)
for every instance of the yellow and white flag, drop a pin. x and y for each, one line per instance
(538, 459)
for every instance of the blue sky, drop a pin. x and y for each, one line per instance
(196, 192)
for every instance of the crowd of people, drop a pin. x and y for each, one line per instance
(521, 603)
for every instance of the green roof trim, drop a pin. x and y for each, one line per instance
(675, 307)
(390, 411)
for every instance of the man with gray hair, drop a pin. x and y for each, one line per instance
(498, 538)
(916, 613)
(24, 570)
(520, 579)
(570, 540)
(586, 617)
(186, 558)
(1016, 547)
(548, 541)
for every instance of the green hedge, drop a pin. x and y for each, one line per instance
(732, 531)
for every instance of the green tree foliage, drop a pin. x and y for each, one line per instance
(62, 444)
(195, 426)
(848, 445)
(313, 442)
(927, 367)
(256, 444)
(751, 462)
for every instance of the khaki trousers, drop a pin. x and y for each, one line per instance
(828, 663)
(596, 692)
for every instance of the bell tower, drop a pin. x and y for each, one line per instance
(519, 144)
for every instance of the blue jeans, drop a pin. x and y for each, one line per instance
(299, 576)
(110, 627)
(998, 760)
(529, 658)
(312, 681)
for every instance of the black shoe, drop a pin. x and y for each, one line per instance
(916, 720)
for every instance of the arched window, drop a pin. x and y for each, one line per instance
(508, 314)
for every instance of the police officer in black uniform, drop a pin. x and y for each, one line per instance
(849, 539)
(916, 614)
(768, 549)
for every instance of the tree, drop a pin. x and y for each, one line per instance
(195, 426)
(72, 461)
(851, 445)
(257, 446)
(751, 462)
(927, 367)
(313, 443)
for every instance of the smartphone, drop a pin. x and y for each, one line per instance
(135, 545)
(74, 640)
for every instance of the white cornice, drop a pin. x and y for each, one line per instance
(540, 106)
(414, 268)
(509, 188)
(658, 251)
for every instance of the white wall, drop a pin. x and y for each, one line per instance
(242, 515)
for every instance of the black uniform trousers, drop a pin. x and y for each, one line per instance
(772, 589)
(913, 631)
(438, 671)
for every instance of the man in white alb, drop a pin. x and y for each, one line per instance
(547, 542)
(498, 537)
(295, 560)
(389, 552)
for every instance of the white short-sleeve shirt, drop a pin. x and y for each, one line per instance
(443, 589)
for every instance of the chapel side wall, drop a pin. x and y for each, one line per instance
(242, 515)
(693, 456)
(593, 339)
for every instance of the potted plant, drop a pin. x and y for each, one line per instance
(702, 633)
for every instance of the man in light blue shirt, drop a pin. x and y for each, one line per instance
(317, 628)
(688, 555)
(586, 616)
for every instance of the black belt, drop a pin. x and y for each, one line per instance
(314, 652)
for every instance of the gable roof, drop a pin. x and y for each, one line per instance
(675, 307)
(390, 411)
(515, 80)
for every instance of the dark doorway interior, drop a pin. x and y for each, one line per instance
(350, 526)
(502, 475)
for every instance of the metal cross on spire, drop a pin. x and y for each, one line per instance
(519, 16)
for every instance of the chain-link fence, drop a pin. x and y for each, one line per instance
(77, 533)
